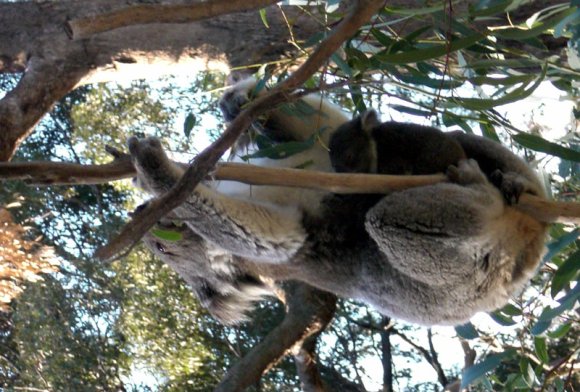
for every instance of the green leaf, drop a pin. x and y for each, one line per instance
(540, 144)
(264, 18)
(280, 151)
(511, 310)
(167, 235)
(434, 83)
(478, 370)
(502, 319)
(566, 303)
(450, 119)
(344, 67)
(560, 331)
(489, 10)
(516, 95)
(411, 111)
(508, 80)
(488, 130)
(566, 272)
(383, 39)
(540, 327)
(188, 124)
(562, 242)
(541, 349)
(434, 51)
(466, 331)
(542, 27)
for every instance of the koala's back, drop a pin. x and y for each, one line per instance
(481, 272)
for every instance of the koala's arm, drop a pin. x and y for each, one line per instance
(257, 231)
(500, 165)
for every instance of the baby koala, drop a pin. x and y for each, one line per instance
(366, 145)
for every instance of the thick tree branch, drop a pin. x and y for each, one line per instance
(158, 13)
(206, 160)
(41, 86)
(306, 365)
(308, 312)
(57, 173)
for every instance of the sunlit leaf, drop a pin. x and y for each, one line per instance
(560, 332)
(566, 272)
(513, 96)
(537, 143)
(411, 111)
(478, 370)
(167, 235)
(541, 349)
(264, 18)
(467, 331)
(436, 50)
(542, 27)
(188, 124)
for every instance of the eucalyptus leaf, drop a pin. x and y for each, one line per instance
(566, 272)
(167, 235)
(188, 124)
(466, 331)
(521, 33)
(433, 51)
(478, 370)
(264, 18)
(541, 349)
(537, 143)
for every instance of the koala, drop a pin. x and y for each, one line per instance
(365, 145)
(430, 255)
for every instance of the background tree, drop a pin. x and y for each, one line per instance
(102, 327)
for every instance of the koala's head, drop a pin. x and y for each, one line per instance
(352, 147)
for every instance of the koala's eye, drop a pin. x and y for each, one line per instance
(160, 247)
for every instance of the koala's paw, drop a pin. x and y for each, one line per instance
(467, 172)
(155, 172)
(511, 185)
(236, 97)
(147, 154)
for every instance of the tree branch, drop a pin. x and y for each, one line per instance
(158, 13)
(58, 173)
(206, 160)
(429, 357)
(306, 365)
(42, 84)
(308, 312)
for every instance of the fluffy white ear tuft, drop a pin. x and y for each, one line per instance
(369, 120)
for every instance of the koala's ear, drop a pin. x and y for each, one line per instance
(369, 120)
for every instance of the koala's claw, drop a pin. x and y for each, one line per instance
(511, 185)
(466, 172)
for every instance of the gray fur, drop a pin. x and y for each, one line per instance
(430, 255)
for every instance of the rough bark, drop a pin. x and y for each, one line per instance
(52, 64)
(308, 311)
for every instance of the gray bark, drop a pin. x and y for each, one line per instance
(34, 41)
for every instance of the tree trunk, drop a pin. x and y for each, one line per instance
(53, 64)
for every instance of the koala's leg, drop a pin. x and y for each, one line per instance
(435, 234)
(245, 228)
(508, 172)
